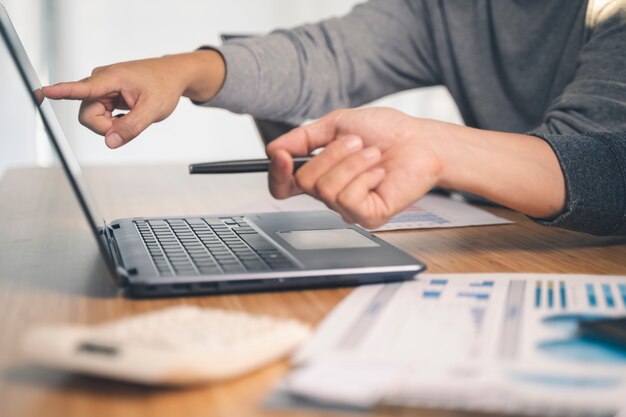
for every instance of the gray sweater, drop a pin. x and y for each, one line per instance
(554, 68)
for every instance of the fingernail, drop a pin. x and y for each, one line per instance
(370, 153)
(353, 142)
(114, 141)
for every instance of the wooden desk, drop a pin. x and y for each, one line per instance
(51, 272)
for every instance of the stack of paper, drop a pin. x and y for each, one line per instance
(491, 342)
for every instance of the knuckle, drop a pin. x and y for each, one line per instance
(325, 193)
(297, 131)
(336, 114)
(344, 200)
(129, 128)
(353, 165)
(333, 151)
(133, 128)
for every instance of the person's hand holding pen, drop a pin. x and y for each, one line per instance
(370, 169)
(148, 89)
(378, 161)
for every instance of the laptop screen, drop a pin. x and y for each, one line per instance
(16, 65)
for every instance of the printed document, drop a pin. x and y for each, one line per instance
(431, 211)
(497, 342)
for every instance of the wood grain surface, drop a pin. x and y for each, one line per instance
(51, 272)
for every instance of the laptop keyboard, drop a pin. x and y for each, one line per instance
(209, 246)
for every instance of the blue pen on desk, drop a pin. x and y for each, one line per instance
(243, 166)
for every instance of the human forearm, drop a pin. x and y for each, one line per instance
(396, 159)
(376, 162)
(379, 48)
(202, 73)
(149, 89)
(518, 171)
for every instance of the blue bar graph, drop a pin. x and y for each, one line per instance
(591, 295)
(550, 294)
(431, 294)
(476, 295)
(563, 294)
(482, 284)
(608, 295)
(538, 294)
(622, 293)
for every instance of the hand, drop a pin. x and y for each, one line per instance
(150, 89)
(376, 162)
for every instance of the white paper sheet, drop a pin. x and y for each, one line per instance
(499, 342)
(432, 211)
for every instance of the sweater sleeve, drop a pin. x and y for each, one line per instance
(379, 48)
(594, 167)
(595, 100)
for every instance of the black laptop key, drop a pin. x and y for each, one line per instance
(210, 270)
(255, 265)
(202, 260)
(247, 256)
(225, 258)
(233, 268)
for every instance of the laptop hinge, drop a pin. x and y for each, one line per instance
(111, 245)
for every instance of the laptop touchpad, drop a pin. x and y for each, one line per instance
(326, 239)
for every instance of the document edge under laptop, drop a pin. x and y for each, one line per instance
(156, 286)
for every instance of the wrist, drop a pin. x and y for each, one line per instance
(515, 170)
(434, 137)
(201, 73)
(462, 155)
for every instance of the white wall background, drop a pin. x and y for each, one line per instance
(80, 35)
(21, 142)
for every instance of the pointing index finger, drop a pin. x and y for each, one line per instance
(78, 90)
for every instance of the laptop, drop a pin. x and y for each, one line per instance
(174, 256)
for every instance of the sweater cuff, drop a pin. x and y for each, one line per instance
(595, 182)
(239, 91)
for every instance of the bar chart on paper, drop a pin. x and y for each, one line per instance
(564, 304)
(564, 295)
(448, 339)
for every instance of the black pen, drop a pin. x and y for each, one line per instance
(247, 165)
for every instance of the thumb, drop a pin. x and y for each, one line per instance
(130, 125)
